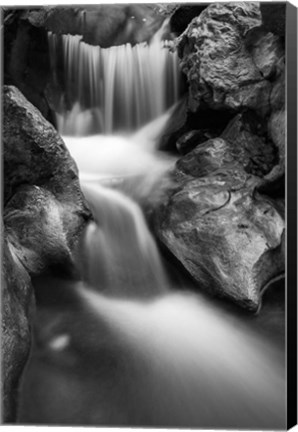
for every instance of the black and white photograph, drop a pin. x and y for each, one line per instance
(149, 215)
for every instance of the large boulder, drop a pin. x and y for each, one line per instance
(228, 64)
(44, 215)
(227, 237)
(224, 218)
(34, 154)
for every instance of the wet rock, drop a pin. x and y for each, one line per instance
(247, 136)
(238, 145)
(206, 158)
(191, 140)
(38, 229)
(213, 55)
(226, 236)
(17, 304)
(268, 54)
(103, 25)
(44, 215)
(34, 154)
(229, 60)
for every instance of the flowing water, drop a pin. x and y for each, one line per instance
(127, 347)
(114, 89)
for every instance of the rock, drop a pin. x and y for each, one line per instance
(237, 146)
(267, 53)
(34, 154)
(247, 135)
(213, 55)
(253, 96)
(207, 158)
(229, 59)
(191, 140)
(226, 237)
(103, 25)
(44, 215)
(39, 230)
(17, 304)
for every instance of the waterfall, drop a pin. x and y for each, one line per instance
(122, 346)
(119, 88)
(130, 352)
(124, 349)
(121, 257)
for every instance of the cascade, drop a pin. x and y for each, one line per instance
(114, 89)
(129, 351)
(121, 256)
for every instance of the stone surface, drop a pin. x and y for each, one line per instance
(39, 229)
(248, 140)
(238, 145)
(228, 61)
(267, 52)
(226, 236)
(103, 25)
(34, 154)
(190, 140)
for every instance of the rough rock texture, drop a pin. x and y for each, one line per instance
(224, 219)
(226, 64)
(44, 215)
(40, 229)
(225, 235)
(34, 154)
(239, 143)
